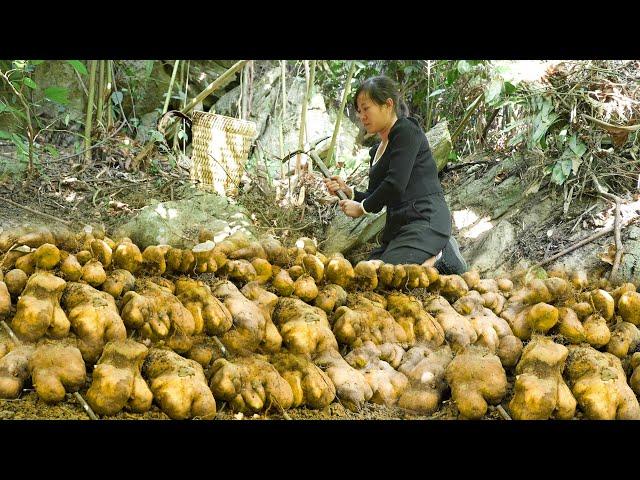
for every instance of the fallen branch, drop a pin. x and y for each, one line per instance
(85, 406)
(51, 217)
(456, 166)
(570, 249)
(610, 127)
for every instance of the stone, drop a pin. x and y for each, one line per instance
(178, 223)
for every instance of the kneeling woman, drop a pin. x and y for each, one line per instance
(404, 178)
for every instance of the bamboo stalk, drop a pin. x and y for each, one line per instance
(171, 82)
(283, 113)
(30, 132)
(244, 109)
(87, 124)
(343, 103)
(464, 121)
(303, 117)
(312, 77)
(213, 86)
(99, 109)
(428, 124)
(108, 94)
(250, 99)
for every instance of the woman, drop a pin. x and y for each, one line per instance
(404, 178)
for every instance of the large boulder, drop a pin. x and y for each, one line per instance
(266, 111)
(487, 252)
(60, 73)
(178, 223)
(346, 233)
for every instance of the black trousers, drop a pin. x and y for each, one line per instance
(451, 261)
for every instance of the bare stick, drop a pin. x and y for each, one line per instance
(593, 237)
(503, 413)
(619, 246)
(6, 327)
(325, 171)
(85, 406)
(35, 211)
(222, 347)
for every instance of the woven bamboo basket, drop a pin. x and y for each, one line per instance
(220, 150)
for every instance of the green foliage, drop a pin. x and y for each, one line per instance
(78, 66)
(57, 94)
(570, 161)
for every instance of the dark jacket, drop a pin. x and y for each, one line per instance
(405, 180)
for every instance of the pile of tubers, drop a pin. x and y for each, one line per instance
(264, 328)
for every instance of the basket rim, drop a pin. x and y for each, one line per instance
(234, 119)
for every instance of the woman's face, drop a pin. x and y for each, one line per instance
(374, 117)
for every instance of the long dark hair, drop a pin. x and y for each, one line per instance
(378, 89)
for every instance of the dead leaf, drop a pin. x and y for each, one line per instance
(610, 255)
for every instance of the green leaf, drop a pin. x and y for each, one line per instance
(5, 135)
(57, 94)
(509, 88)
(515, 140)
(67, 117)
(53, 151)
(436, 92)
(78, 66)
(493, 90)
(566, 165)
(577, 146)
(464, 67)
(29, 83)
(452, 76)
(36, 62)
(116, 97)
(557, 175)
(3, 106)
(182, 135)
(148, 64)
(156, 136)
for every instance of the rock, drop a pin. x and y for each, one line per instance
(59, 73)
(266, 112)
(149, 82)
(340, 238)
(178, 223)
(440, 143)
(629, 270)
(486, 252)
(148, 122)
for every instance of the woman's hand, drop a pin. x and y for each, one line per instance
(351, 208)
(335, 183)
